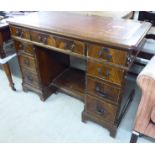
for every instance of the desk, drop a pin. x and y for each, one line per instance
(107, 46)
(4, 37)
(113, 14)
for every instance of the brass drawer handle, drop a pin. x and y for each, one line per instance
(69, 46)
(106, 51)
(42, 39)
(26, 62)
(99, 109)
(109, 57)
(100, 92)
(33, 49)
(30, 78)
(21, 46)
(22, 34)
(18, 33)
(100, 54)
(129, 60)
(107, 74)
(72, 47)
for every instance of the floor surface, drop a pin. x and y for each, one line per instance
(24, 118)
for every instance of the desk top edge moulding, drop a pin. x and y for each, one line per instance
(107, 46)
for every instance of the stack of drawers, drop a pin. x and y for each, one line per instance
(28, 65)
(27, 60)
(104, 85)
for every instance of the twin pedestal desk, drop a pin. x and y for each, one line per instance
(107, 46)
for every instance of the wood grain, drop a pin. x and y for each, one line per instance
(123, 33)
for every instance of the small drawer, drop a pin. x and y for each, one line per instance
(15, 31)
(28, 62)
(30, 78)
(111, 74)
(29, 49)
(78, 47)
(100, 109)
(25, 47)
(39, 37)
(20, 32)
(19, 46)
(108, 54)
(102, 89)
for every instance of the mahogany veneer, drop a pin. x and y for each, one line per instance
(108, 46)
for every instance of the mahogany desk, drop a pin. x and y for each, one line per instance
(108, 46)
(4, 37)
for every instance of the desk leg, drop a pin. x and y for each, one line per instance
(9, 76)
(7, 69)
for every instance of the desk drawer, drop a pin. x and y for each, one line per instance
(30, 78)
(59, 42)
(27, 48)
(111, 74)
(28, 62)
(20, 32)
(70, 45)
(102, 89)
(100, 109)
(110, 55)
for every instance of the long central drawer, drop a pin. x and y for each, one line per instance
(52, 40)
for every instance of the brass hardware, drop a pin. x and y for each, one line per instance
(107, 74)
(109, 57)
(105, 49)
(42, 39)
(72, 46)
(33, 49)
(100, 92)
(21, 46)
(18, 32)
(99, 109)
(30, 79)
(129, 60)
(21, 34)
(100, 53)
(26, 62)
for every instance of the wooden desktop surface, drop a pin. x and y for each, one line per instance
(123, 33)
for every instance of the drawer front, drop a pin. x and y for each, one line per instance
(100, 109)
(40, 37)
(30, 78)
(27, 48)
(28, 62)
(108, 54)
(20, 32)
(102, 71)
(59, 42)
(102, 89)
(78, 47)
